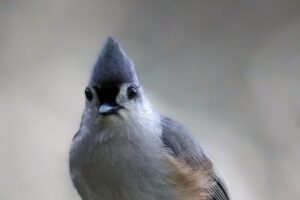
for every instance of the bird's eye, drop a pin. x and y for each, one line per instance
(131, 92)
(88, 94)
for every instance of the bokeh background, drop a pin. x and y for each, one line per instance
(228, 69)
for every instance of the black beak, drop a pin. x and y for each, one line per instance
(109, 108)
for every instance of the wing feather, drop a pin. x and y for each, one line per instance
(183, 146)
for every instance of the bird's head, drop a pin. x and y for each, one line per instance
(113, 92)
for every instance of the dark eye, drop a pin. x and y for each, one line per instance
(88, 94)
(131, 92)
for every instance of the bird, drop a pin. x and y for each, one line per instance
(126, 150)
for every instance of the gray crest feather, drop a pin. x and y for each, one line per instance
(113, 67)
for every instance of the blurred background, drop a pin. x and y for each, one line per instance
(228, 69)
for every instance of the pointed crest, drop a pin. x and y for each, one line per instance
(113, 67)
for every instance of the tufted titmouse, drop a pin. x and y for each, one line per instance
(125, 150)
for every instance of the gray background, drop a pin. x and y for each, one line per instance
(228, 69)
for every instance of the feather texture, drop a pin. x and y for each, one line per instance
(190, 157)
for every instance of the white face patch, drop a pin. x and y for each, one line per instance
(138, 110)
(122, 97)
(131, 106)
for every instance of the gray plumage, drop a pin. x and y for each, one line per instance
(122, 148)
(113, 67)
(180, 141)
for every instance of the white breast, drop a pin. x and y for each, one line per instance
(126, 162)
